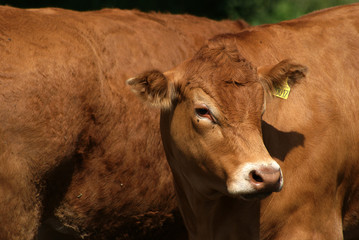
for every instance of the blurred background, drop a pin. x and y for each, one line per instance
(253, 11)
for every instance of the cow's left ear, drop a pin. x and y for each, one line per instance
(154, 88)
(274, 76)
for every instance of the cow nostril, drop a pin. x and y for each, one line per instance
(255, 177)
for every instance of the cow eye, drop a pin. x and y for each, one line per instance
(204, 112)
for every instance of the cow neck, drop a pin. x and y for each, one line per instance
(223, 217)
(208, 216)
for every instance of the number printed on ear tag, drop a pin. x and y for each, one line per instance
(283, 91)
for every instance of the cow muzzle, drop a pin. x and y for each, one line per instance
(256, 180)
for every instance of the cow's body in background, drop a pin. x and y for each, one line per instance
(76, 149)
(227, 113)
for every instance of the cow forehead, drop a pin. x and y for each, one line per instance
(217, 67)
(226, 77)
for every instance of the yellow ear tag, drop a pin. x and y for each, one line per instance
(283, 91)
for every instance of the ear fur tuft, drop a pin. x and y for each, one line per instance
(286, 70)
(154, 88)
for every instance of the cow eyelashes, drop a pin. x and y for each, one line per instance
(203, 112)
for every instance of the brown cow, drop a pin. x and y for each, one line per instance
(214, 132)
(77, 151)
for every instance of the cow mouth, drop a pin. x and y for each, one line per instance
(251, 196)
(255, 196)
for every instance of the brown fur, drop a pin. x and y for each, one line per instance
(313, 135)
(76, 149)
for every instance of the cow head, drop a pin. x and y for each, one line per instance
(212, 107)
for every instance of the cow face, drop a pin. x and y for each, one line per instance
(211, 121)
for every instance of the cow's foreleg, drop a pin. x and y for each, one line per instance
(20, 208)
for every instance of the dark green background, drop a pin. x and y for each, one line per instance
(253, 11)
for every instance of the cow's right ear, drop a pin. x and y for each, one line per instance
(154, 88)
